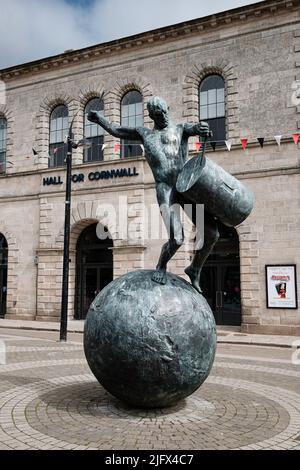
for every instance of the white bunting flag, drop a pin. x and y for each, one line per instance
(228, 145)
(143, 149)
(104, 147)
(278, 139)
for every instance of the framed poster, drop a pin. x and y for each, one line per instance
(281, 286)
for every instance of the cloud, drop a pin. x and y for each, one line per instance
(33, 29)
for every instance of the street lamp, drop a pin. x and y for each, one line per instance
(66, 257)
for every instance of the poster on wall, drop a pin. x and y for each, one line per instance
(281, 286)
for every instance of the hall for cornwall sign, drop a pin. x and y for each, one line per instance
(93, 176)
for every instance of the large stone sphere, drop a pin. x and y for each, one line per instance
(150, 345)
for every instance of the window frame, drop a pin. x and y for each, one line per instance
(3, 144)
(98, 139)
(217, 122)
(131, 148)
(60, 155)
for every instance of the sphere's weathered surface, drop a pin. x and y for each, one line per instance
(148, 344)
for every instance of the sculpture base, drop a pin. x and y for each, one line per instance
(150, 345)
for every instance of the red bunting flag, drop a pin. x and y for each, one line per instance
(198, 146)
(117, 148)
(244, 143)
(296, 137)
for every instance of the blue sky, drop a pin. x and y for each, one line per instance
(33, 29)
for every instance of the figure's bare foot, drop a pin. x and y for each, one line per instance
(194, 277)
(160, 276)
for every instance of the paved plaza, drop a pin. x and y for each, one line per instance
(50, 400)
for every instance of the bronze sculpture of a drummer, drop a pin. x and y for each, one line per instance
(179, 182)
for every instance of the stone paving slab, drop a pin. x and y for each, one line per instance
(73, 325)
(250, 401)
(228, 335)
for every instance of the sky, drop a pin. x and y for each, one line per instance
(34, 29)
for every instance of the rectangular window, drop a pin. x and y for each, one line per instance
(212, 111)
(212, 96)
(94, 152)
(203, 112)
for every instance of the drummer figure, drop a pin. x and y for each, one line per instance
(166, 150)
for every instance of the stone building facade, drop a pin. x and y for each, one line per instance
(256, 49)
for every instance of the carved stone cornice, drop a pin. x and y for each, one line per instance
(157, 36)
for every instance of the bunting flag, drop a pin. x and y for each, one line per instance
(244, 143)
(278, 139)
(228, 145)
(261, 141)
(117, 148)
(213, 145)
(198, 145)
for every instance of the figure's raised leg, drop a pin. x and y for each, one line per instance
(170, 212)
(211, 236)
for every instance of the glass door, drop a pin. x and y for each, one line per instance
(230, 295)
(90, 288)
(209, 286)
(95, 278)
(94, 269)
(220, 283)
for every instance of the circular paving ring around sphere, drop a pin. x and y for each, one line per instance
(75, 410)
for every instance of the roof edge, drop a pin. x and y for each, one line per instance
(167, 32)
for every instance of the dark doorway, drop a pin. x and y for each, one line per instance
(220, 279)
(94, 269)
(3, 275)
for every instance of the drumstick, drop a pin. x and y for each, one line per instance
(204, 146)
(203, 149)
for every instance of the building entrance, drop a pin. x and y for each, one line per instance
(220, 279)
(94, 269)
(3, 275)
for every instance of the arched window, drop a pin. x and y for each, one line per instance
(212, 106)
(59, 128)
(93, 133)
(3, 132)
(132, 115)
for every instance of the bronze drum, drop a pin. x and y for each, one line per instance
(223, 196)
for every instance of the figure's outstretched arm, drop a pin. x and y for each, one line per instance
(201, 128)
(120, 132)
